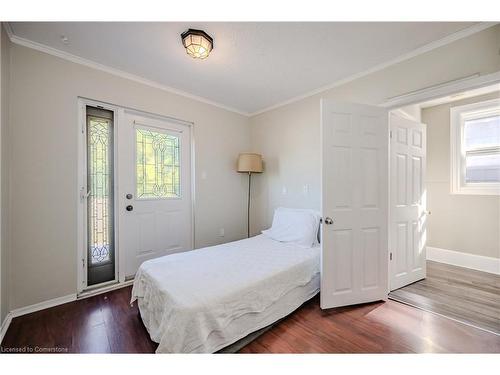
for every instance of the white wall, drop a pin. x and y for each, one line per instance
(289, 137)
(4, 115)
(463, 223)
(43, 150)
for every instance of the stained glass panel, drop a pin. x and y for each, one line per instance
(100, 188)
(157, 164)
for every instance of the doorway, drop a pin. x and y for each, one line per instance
(359, 240)
(455, 270)
(136, 194)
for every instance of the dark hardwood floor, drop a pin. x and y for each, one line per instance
(466, 295)
(107, 323)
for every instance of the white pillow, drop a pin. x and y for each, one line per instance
(299, 226)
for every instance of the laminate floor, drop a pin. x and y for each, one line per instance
(108, 323)
(470, 296)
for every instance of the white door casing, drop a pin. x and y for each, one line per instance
(354, 260)
(156, 226)
(408, 213)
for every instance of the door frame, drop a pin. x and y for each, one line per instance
(118, 120)
(415, 97)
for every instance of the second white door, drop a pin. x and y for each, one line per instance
(154, 187)
(408, 213)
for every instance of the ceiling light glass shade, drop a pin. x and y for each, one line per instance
(198, 43)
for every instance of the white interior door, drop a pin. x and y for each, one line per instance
(354, 264)
(155, 202)
(407, 202)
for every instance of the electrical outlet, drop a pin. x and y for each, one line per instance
(221, 232)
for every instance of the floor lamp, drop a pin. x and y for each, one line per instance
(249, 163)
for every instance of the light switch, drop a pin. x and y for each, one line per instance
(203, 175)
(305, 189)
(284, 190)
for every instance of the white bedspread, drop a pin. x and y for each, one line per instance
(187, 300)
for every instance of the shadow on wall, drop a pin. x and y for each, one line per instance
(260, 194)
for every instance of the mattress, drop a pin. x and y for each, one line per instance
(203, 300)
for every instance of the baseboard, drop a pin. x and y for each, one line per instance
(32, 308)
(43, 305)
(5, 326)
(455, 258)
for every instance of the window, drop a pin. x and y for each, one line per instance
(157, 164)
(100, 200)
(475, 148)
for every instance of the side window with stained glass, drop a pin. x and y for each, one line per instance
(157, 164)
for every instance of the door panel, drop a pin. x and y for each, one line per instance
(155, 183)
(354, 195)
(408, 199)
(100, 131)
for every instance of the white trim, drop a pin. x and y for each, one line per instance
(421, 50)
(458, 116)
(5, 326)
(444, 89)
(117, 72)
(92, 64)
(472, 261)
(401, 113)
(43, 305)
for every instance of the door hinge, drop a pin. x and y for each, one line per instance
(390, 134)
(390, 256)
(83, 263)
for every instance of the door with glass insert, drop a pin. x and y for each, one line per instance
(100, 197)
(155, 212)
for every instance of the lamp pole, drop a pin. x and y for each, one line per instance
(248, 205)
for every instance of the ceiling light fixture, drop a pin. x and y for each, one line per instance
(198, 43)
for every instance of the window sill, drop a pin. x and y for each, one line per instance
(466, 190)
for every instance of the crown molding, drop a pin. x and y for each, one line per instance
(92, 64)
(419, 51)
(117, 72)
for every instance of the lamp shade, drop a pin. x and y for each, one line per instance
(249, 162)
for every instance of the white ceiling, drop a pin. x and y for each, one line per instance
(253, 65)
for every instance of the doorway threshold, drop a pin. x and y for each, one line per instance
(103, 288)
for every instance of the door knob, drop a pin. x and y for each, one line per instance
(328, 220)
(129, 207)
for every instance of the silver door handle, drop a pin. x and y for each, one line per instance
(328, 220)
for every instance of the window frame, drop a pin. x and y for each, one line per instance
(458, 116)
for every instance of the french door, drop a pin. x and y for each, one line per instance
(408, 201)
(354, 264)
(154, 175)
(135, 191)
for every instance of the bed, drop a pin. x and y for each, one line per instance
(203, 300)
